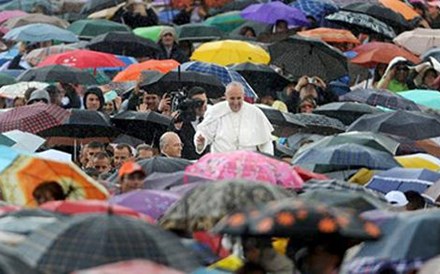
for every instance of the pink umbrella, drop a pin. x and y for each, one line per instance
(133, 266)
(246, 165)
(8, 14)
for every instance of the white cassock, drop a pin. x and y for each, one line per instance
(225, 130)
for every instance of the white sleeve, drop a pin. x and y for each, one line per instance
(208, 131)
(266, 148)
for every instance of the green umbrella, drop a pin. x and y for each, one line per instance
(152, 32)
(427, 98)
(227, 21)
(91, 28)
(198, 33)
(6, 79)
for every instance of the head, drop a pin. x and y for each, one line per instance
(89, 151)
(198, 93)
(429, 77)
(28, 93)
(235, 96)
(415, 200)
(18, 102)
(54, 94)
(122, 154)
(307, 104)
(37, 96)
(131, 176)
(171, 145)
(168, 36)
(433, 8)
(102, 162)
(402, 72)
(247, 31)
(281, 26)
(268, 98)
(309, 89)
(48, 191)
(109, 107)
(93, 99)
(144, 151)
(151, 100)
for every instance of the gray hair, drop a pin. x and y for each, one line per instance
(234, 84)
(163, 141)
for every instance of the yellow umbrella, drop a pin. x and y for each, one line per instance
(227, 52)
(419, 160)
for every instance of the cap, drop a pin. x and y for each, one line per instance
(129, 168)
(396, 198)
(39, 94)
(168, 30)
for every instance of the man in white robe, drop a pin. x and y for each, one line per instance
(234, 125)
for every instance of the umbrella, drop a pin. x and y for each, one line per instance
(97, 5)
(6, 79)
(45, 32)
(258, 27)
(205, 205)
(262, 78)
(346, 112)
(37, 55)
(434, 53)
(427, 98)
(305, 56)
(123, 43)
(10, 262)
(184, 80)
(153, 203)
(132, 266)
(6, 141)
(56, 155)
(285, 124)
(91, 28)
(361, 22)
(433, 192)
(382, 98)
(374, 53)
(224, 74)
(28, 5)
(377, 265)
(169, 181)
(58, 73)
(8, 14)
(163, 164)
(18, 89)
(32, 118)
(272, 12)
(226, 21)
(209, 3)
(82, 59)
(34, 18)
(90, 240)
(418, 41)
(133, 72)
(24, 141)
(300, 139)
(403, 179)
(246, 165)
(147, 126)
(343, 157)
(410, 124)
(198, 33)
(319, 124)
(403, 8)
(331, 35)
(22, 173)
(419, 160)
(152, 32)
(25, 221)
(315, 8)
(233, 6)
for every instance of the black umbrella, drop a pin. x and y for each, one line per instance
(305, 56)
(164, 164)
(147, 126)
(175, 81)
(97, 5)
(411, 124)
(361, 22)
(346, 112)
(58, 73)
(262, 78)
(198, 33)
(319, 124)
(124, 43)
(285, 124)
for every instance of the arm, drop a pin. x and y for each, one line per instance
(386, 79)
(266, 148)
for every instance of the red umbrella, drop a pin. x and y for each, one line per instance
(71, 207)
(133, 266)
(375, 53)
(33, 118)
(307, 174)
(83, 59)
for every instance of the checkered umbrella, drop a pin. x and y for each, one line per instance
(32, 118)
(346, 112)
(10, 262)
(90, 240)
(319, 124)
(316, 8)
(373, 265)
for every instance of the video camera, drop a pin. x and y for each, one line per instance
(185, 107)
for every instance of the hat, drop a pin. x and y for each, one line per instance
(396, 198)
(168, 30)
(129, 168)
(39, 94)
(434, 3)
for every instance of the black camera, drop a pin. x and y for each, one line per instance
(185, 107)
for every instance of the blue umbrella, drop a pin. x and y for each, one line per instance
(271, 12)
(40, 33)
(316, 8)
(27, 5)
(403, 179)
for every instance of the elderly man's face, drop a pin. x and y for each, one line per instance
(235, 97)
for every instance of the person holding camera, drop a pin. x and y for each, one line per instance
(396, 75)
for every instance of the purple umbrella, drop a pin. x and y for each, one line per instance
(153, 203)
(271, 12)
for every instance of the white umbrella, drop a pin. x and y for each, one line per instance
(56, 155)
(18, 89)
(25, 141)
(419, 40)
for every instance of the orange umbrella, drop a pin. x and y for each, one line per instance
(331, 35)
(133, 72)
(375, 53)
(208, 3)
(398, 6)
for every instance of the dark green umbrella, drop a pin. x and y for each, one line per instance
(225, 22)
(6, 79)
(58, 73)
(346, 112)
(198, 33)
(89, 28)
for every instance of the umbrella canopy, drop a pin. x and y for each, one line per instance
(83, 59)
(403, 179)
(305, 56)
(58, 73)
(331, 35)
(163, 164)
(169, 181)
(403, 8)
(153, 203)
(91, 28)
(8, 14)
(27, 6)
(198, 33)
(319, 124)
(209, 3)
(18, 89)
(382, 98)
(374, 53)
(346, 112)
(90, 240)
(285, 124)
(6, 79)
(45, 32)
(10, 262)
(246, 165)
(315, 8)
(32, 118)
(226, 21)
(132, 266)
(434, 53)
(123, 43)
(205, 205)
(262, 78)
(272, 12)
(97, 5)
(152, 32)
(343, 157)
(418, 41)
(37, 55)
(420, 160)
(24, 141)
(228, 52)
(34, 18)
(362, 23)
(133, 72)
(410, 124)
(25, 221)
(22, 173)
(427, 98)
